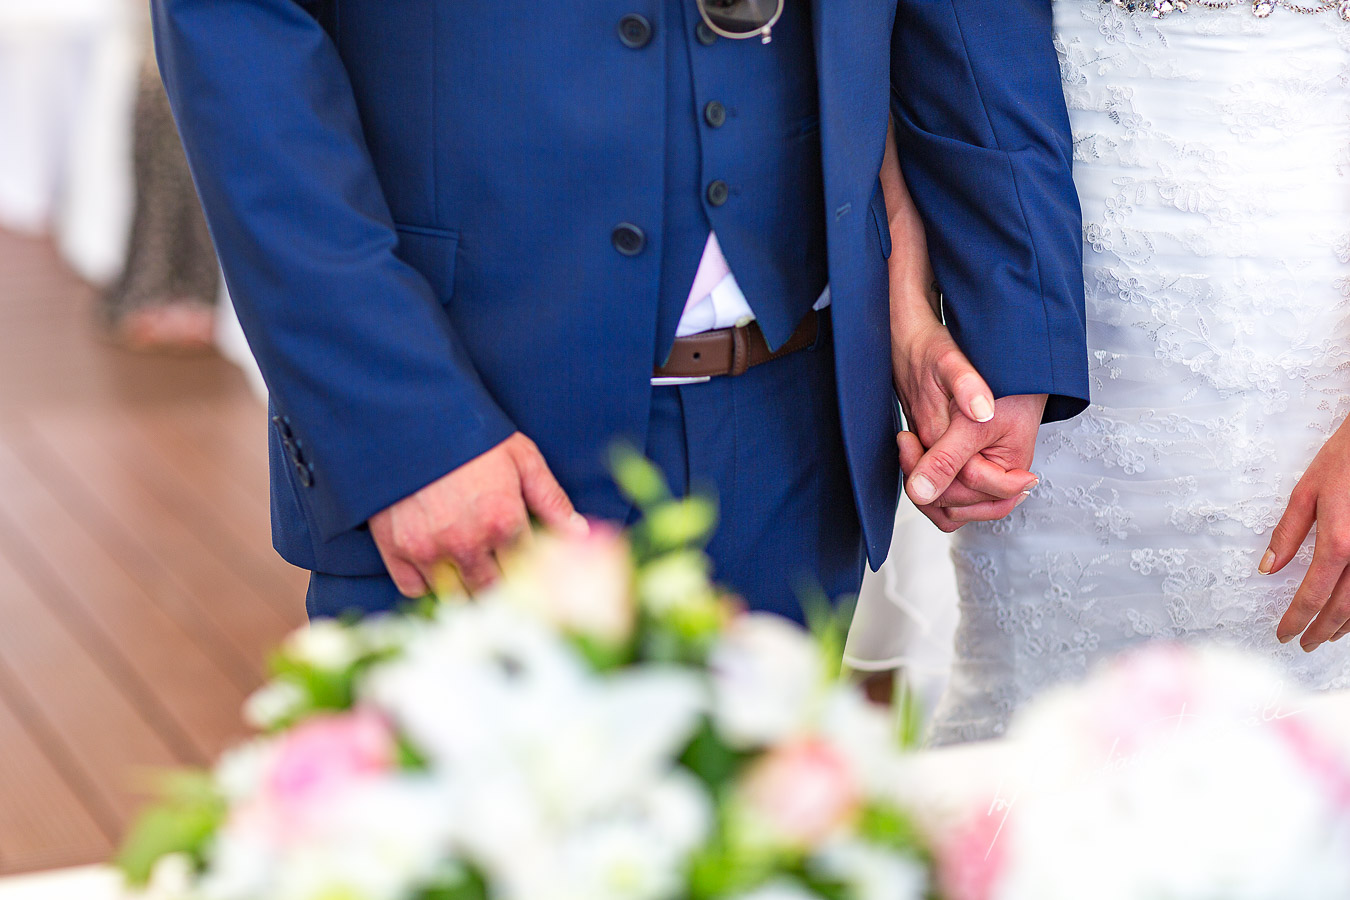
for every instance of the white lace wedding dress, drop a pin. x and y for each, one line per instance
(1212, 157)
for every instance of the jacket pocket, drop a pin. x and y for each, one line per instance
(432, 252)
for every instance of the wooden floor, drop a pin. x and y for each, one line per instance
(139, 593)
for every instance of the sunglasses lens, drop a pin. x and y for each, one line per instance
(745, 17)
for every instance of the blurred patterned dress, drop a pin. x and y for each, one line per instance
(170, 259)
(1212, 158)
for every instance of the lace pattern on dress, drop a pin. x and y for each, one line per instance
(1214, 177)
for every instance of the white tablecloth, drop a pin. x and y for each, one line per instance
(68, 73)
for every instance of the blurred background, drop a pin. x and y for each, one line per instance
(139, 593)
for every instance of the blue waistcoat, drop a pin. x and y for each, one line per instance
(766, 151)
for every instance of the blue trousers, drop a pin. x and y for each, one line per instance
(767, 445)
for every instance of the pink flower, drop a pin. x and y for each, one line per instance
(1146, 695)
(802, 792)
(314, 761)
(971, 861)
(1320, 757)
(582, 585)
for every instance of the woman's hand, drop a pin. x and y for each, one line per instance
(1322, 496)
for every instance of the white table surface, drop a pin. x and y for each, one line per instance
(85, 883)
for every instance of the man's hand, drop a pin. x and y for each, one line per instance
(975, 467)
(457, 525)
(966, 474)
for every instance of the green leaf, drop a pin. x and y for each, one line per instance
(711, 759)
(602, 656)
(456, 883)
(888, 827)
(724, 869)
(677, 524)
(184, 822)
(829, 623)
(410, 759)
(908, 713)
(637, 477)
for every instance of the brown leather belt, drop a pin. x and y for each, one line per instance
(730, 351)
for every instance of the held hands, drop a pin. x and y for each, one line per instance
(455, 527)
(967, 460)
(968, 457)
(1322, 496)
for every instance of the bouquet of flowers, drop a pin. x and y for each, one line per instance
(605, 724)
(1173, 773)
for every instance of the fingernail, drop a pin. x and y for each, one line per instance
(921, 489)
(1308, 648)
(580, 524)
(1035, 483)
(1022, 499)
(1337, 637)
(1285, 638)
(1267, 563)
(982, 408)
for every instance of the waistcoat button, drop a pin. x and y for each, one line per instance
(628, 239)
(635, 31)
(718, 192)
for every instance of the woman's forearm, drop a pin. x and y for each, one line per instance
(913, 286)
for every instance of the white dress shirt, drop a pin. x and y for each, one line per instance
(715, 299)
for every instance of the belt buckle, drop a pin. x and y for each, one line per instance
(670, 381)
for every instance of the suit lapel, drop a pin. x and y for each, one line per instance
(852, 43)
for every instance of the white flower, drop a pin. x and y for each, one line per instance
(608, 748)
(780, 890)
(679, 809)
(273, 703)
(873, 873)
(637, 850)
(383, 840)
(581, 585)
(475, 677)
(384, 632)
(767, 678)
(324, 644)
(171, 879)
(867, 735)
(1177, 773)
(242, 867)
(240, 771)
(377, 841)
(677, 580)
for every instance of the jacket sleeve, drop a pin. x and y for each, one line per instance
(358, 354)
(984, 142)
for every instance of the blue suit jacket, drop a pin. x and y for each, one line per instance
(413, 204)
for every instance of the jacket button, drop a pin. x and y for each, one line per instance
(628, 239)
(718, 192)
(635, 31)
(715, 114)
(305, 472)
(706, 36)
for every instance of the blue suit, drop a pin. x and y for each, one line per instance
(444, 222)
